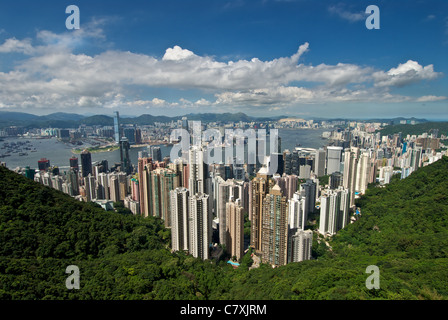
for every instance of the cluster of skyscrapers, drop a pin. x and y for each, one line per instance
(208, 203)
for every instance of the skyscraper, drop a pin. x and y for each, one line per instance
(333, 159)
(161, 182)
(258, 188)
(90, 185)
(297, 212)
(103, 186)
(129, 133)
(362, 172)
(222, 192)
(198, 171)
(117, 127)
(199, 226)
(287, 162)
(319, 163)
(124, 156)
(74, 163)
(300, 246)
(336, 180)
(43, 164)
(138, 136)
(351, 158)
(179, 219)
(114, 187)
(156, 154)
(334, 211)
(274, 235)
(235, 228)
(308, 190)
(287, 183)
(144, 164)
(86, 163)
(72, 178)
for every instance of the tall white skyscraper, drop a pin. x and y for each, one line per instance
(198, 172)
(334, 155)
(300, 246)
(199, 226)
(90, 185)
(179, 219)
(351, 159)
(362, 172)
(103, 186)
(296, 212)
(334, 211)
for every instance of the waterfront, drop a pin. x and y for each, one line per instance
(59, 152)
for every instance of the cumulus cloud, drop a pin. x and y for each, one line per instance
(405, 74)
(54, 76)
(14, 45)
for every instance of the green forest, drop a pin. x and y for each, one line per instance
(402, 229)
(415, 129)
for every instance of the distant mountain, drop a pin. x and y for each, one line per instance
(390, 121)
(100, 120)
(147, 119)
(394, 121)
(228, 117)
(415, 129)
(72, 120)
(63, 116)
(16, 116)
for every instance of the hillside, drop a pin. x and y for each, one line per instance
(403, 230)
(415, 129)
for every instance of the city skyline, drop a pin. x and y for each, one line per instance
(297, 58)
(227, 150)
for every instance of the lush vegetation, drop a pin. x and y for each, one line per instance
(415, 129)
(403, 229)
(324, 180)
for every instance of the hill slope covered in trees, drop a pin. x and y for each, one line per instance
(403, 229)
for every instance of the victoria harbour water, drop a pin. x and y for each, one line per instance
(59, 153)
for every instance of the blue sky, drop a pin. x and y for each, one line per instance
(299, 58)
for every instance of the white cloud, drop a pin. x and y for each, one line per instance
(177, 53)
(290, 96)
(14, 45)
(343, 13)
(54, 76)
(405, 74)
(431, 98)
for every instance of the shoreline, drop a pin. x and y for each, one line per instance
(94, 150)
